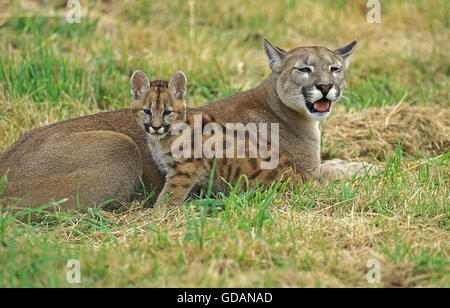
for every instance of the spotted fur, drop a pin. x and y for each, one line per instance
(185, 175)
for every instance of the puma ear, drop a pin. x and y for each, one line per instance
(275, 55)
(345, 53)
(139, 83)
(177, 85)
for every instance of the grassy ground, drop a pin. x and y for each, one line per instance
(317, 235)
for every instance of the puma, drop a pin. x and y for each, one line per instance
(89, 160)
(304, 84)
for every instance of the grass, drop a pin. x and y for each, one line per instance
(316, 235)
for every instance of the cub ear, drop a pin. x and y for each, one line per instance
(177, 85)
(139, 83)
(275, 55)
(345, 52)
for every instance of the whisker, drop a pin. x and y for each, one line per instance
(346, 98)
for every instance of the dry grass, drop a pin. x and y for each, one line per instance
(320, 235)
(326, 244)
(375, 133)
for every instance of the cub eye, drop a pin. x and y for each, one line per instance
(304, 69)
(166, 112)
(335, 69)
(147, 111)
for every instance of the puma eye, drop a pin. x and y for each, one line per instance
(147, 111)
(304, 69)
(166, 112)
(335, 69)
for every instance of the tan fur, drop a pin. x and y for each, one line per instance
(278, 100)
(87, 160)
(71, 157)
(184, 175)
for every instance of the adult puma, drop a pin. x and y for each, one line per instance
(86, 160)
(304, 84)
(92, 159)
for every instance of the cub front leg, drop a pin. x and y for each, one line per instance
(178, 188)
(341, 169)
(179, 183)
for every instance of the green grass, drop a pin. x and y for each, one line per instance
(401, 219)
(321, 234)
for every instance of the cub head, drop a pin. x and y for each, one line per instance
(309, 79)
(158, 105)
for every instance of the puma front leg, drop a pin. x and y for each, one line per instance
(341, 169)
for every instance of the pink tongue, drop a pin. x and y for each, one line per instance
(321, 106)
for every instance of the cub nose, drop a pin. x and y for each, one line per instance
(158, 129)
(324, 88)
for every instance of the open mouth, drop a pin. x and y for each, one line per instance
(322, 105)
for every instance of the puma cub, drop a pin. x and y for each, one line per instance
(161, 111)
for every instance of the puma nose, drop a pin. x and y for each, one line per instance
(156, 127)
(324, 88)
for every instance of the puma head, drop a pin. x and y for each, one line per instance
(309, 79)
(158, 105)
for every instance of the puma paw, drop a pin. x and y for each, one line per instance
(361, 168)
(341, 169)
